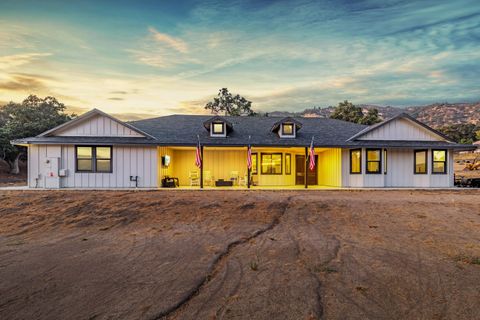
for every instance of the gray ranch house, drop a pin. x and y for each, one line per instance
(96, 150)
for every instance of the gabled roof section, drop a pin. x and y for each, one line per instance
(217, 119)
(90, 115)
(405, 116)
(276, 125)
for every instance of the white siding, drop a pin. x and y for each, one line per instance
(401, 129)
(400, 172)
(127, 161)
(99, 126)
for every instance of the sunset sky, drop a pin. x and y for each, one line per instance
(146, 58)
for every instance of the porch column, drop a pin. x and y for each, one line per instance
(201, 167)
(248, 177)
(306, 167)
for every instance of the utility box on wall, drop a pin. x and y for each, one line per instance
(52, 179)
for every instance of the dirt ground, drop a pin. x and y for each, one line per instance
(460, 160)
(9, 180)
(240, 254)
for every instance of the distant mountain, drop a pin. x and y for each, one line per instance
(435, 115)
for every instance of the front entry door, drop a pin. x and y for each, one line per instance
(300, 171)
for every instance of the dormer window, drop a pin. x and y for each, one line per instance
(218, 128)
(288, 129)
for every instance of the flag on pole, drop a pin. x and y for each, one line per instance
(249, 155)
(198, 154)
(311, 157)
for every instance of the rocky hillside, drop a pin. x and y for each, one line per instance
(435, 115)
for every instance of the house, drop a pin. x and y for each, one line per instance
(97, 150)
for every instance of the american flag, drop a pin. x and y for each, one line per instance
(312, 157)
(198, 155)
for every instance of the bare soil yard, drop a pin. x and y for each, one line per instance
(10, 180)
(240, 255)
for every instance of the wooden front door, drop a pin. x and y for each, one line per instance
(300, 171)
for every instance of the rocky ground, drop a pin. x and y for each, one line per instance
(240, 254)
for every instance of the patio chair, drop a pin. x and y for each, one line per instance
(207, 178)
(242, 181)
(194, 178)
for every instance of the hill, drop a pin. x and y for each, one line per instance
(435, 115)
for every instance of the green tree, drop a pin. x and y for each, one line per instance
(461, 133)
(477, 135)
(347, 111)
(371, 117)
(27, 119)
(229, 104)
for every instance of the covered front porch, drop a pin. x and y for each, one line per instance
(226, 168)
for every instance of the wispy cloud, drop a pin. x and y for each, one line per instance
(174, 43)
(21, 83)
(15, 60)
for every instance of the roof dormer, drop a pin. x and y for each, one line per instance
(287, 128)
(218, 127)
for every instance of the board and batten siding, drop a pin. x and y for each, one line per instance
(101, 126)
(330, 167)
(126, 161)
(401, 129)
(400, 172)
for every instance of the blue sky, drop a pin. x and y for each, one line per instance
(143, 58)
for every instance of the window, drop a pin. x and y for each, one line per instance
(271, 163)
(439, 161)
(356, 161)
(374, 161)
(288, 163)
(254, 163)
(103, 159)
(85, 159)
(93, 159)
(420, 161)
(218, 128)
(384, 161)
(287, 129)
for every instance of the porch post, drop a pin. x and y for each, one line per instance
(248, 178)
(201, 167)
(306, 167)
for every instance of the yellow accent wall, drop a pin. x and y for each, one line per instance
(276, 180)
(222, 161)
(184, 163)
(163, 171)
(330, 167)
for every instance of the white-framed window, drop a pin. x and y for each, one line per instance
(287, 130)
(218, 129)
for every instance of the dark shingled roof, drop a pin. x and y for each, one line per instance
(182, 130)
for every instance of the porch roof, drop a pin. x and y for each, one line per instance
(149, 142)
